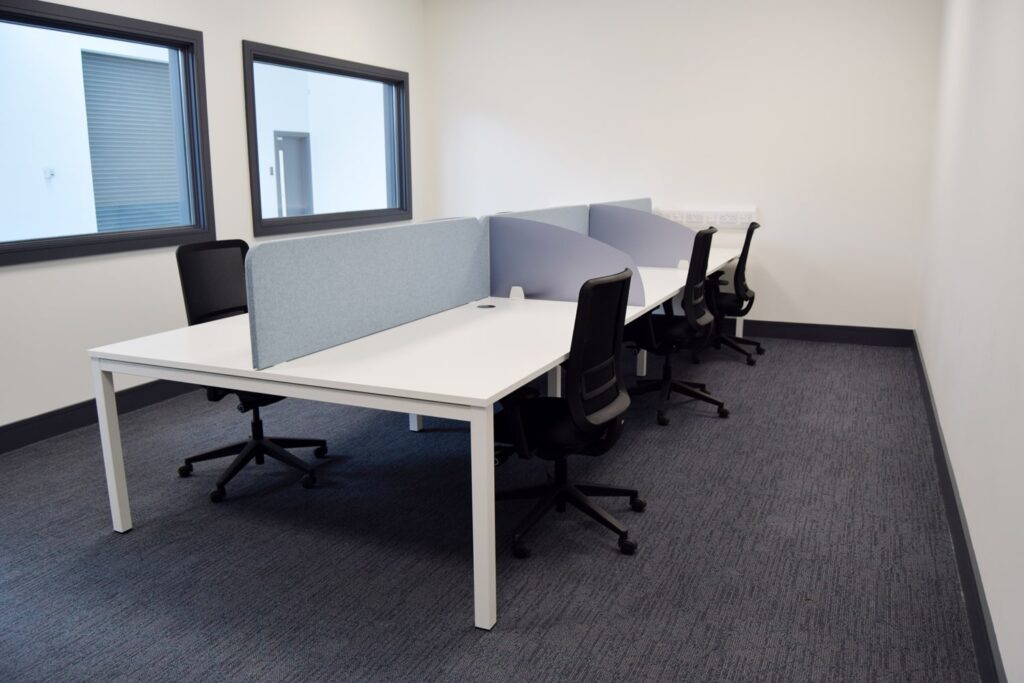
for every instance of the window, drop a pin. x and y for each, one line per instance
(328, 141)
(106, 134)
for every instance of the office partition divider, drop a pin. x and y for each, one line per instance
(643, 204)
(650, 239)
(575, 218)
(312, 293)
(309, 294)
(551, 262)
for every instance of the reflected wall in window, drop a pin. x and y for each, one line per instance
(328, 141)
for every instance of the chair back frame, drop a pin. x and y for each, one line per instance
(595, 388)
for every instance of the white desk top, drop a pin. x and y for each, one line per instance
(466, 355)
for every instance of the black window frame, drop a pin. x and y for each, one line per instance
(269, 54)
(190, 44)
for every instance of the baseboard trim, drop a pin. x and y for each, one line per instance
(55, 422)
(836, 334)
(986, 648)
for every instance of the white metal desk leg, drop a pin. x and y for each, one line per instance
(415, 422)
(485, 592)
(641, 363)
(555, 381)
(110, 438)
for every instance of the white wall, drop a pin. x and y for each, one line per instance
(52, 312)
(820, 113)
(971, 329)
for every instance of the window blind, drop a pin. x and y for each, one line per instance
(136, 142)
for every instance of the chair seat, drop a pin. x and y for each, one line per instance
(549, 428)
(246, 399)
(673, 330)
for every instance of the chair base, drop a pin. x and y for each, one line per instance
(737, 344)
(667, 386)
(257, 447)
(577, 494)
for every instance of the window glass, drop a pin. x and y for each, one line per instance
(95, 132)
(325, 142)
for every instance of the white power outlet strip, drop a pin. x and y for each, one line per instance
(723, 218)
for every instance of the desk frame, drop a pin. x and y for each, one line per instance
(481, 426)
(480, 417)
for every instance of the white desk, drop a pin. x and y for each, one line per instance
(454, 364)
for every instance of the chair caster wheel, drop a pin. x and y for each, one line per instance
(309, 481)
(520, 551)
(626, 546)
(751, 361)
(662, 419)
(760, 350)
(320, 451)
(217, 495)
(185, 470)
(723, 412)
(638, 504)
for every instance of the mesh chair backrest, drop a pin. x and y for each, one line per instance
(213, 279)
(739, 277)
(595, 389)
(695, 306)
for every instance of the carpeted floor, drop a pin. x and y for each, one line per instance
(801, 539)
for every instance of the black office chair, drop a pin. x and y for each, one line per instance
(665, 335)
(730, 296)
(213, 284)
(586, 421)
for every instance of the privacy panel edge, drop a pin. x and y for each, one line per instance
(643, 204)
(575, 218)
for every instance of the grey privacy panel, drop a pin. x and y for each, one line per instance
(650, 239)
(573, 218)
(644, 204)
(312, 293)
(550, 262)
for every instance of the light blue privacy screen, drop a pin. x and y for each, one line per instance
(638, 204)
(573, 218)
(551, 262)
(312, 293)
(650, 239)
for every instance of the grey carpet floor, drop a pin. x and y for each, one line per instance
(801, 539)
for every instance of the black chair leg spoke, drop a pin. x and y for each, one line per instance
(595, 512)
(287, 442)
(283, 456)
(728, 341)
(681, 388)
(233, 449)
(541, 508)
(600, 490)
(243, 459)
(750, 342)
